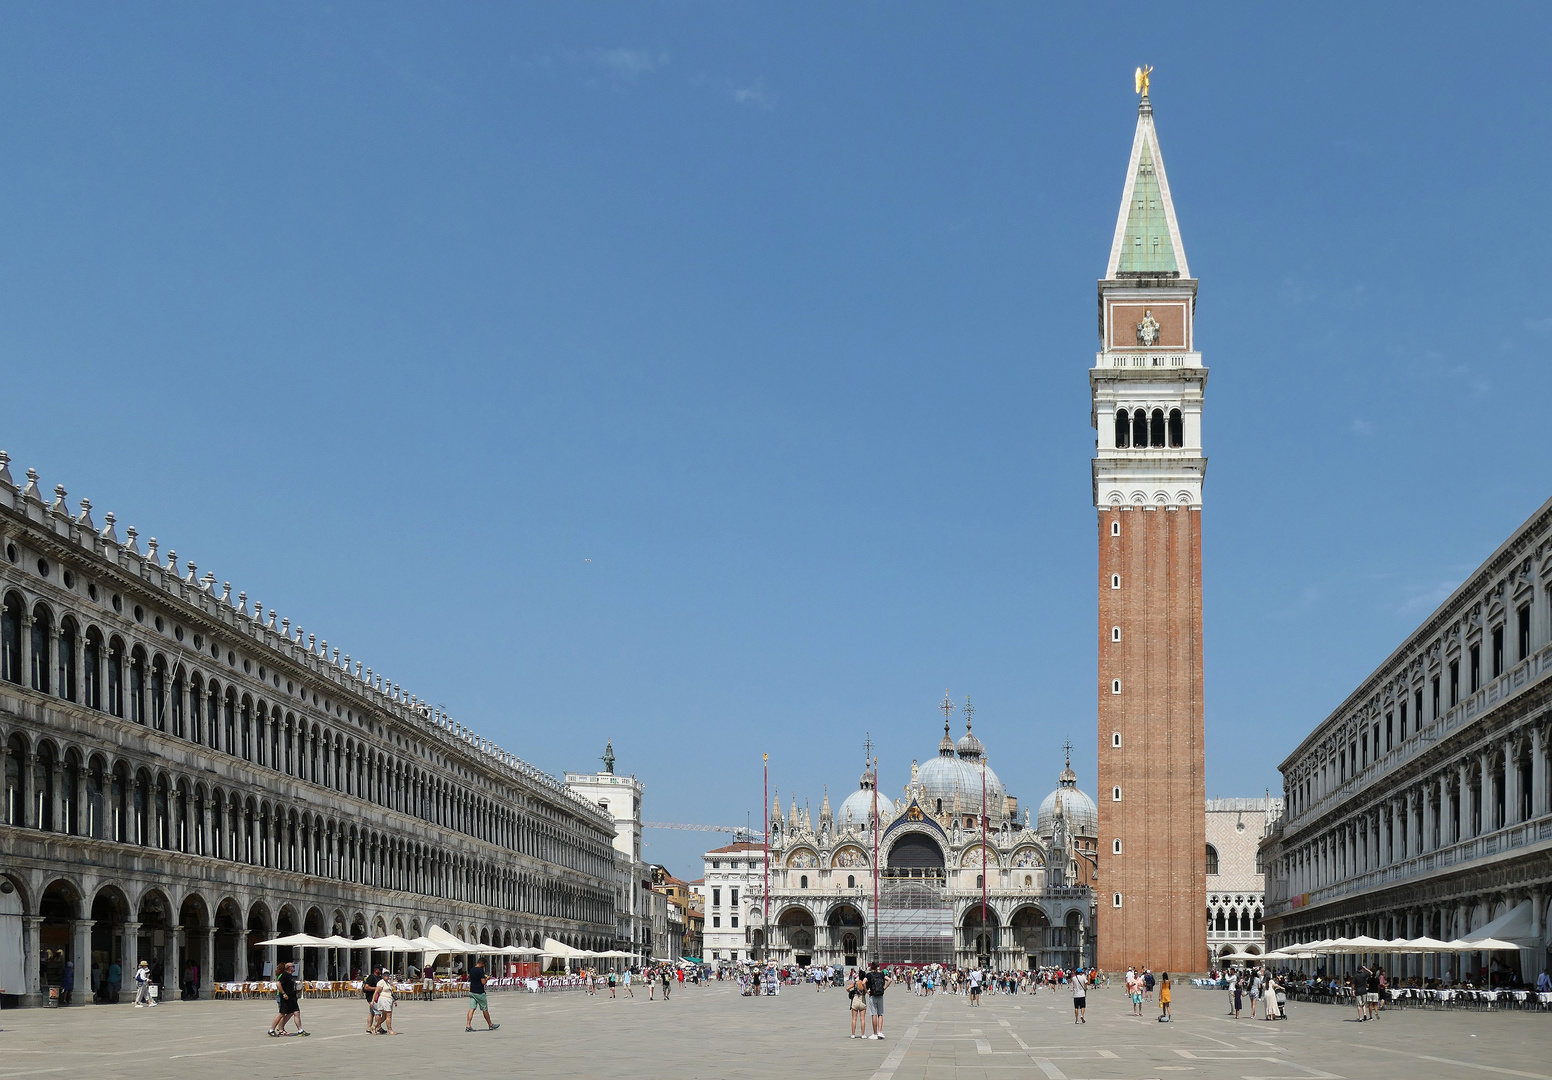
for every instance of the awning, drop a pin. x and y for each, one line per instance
(1512, 930)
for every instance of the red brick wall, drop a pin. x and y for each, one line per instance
(1161, 819)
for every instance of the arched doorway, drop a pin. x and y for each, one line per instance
(1028, 928)
(846, 934)
(796, 926)
(155, 944)
(980, 935)
(313, 959)
(194, 963)
(229, 928)
(110, 911)
(60, 907)
(258, 930)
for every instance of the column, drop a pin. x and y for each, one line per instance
(1538, 771)
(270, 952)
(83, 774)
(207, 966)
(1512, 788)
(28, 780)
(32, 954)
(1462, 808)
(1484, 788)
(240, 970)
(81, 953)
(57, 798)
(129, 960)
(1408, 838)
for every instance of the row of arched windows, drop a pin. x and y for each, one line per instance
(1235, 919)
(1142, 429)
(102, 672)
(87, 795)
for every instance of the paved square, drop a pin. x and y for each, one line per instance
(711, 1032)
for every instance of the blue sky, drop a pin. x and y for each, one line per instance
(395, 316)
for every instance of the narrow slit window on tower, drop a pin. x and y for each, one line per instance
(1115, 686)
(1115, 581)
(1123, 430)
(1115, 739)
(1115, 847)
(1177, 429)
(1115, 900)
(1115, 530)
(1115, 794)
(1115, 633)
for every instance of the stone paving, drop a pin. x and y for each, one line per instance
(711, 1032)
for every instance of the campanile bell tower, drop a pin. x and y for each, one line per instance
(1147, 385)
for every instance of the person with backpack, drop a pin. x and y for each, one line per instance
(877, 982)
(1080, 997)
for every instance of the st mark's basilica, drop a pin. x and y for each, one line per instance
(1023, 898)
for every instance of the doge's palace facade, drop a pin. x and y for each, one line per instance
(184, 777)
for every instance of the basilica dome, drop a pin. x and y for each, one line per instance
(855, 810)
(1079, 810)
(957, 772)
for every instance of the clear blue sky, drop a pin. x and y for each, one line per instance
(394, 316)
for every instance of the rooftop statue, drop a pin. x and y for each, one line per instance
(1142, 79)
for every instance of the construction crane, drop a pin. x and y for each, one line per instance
(739, 832)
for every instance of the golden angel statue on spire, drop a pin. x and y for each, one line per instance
(1142, 79)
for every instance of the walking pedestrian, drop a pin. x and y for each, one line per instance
(1164, 997)
(1080, 997)
(369, 991)
(477, 998)
(67, 983)
(1273, 1007)
(667, 982)
(383, 1003)
(628, 992)
(287, 1002)
(143, 986)
(1239, 996)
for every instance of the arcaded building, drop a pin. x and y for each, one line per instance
(184, 776)
(1421, 804)
(1147, 386)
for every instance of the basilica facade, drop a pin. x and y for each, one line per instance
(950, 872)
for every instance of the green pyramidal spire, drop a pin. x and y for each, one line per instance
(1147, 238)
(1147, 246)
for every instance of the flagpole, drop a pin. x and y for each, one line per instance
(876, 954)
(983, 843)
(765, 929)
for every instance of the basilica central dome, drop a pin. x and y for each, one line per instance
(956, 773)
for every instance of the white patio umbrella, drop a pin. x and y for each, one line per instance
(305, 940)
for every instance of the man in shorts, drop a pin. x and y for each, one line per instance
(877, 983)
(477, 999)
(286, 998)
(1080, 997)
(369, 989)
(975, 986)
